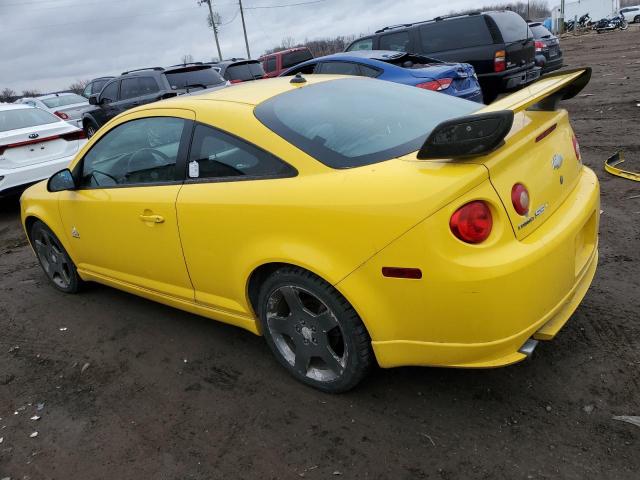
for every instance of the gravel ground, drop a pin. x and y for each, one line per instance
(134, 390)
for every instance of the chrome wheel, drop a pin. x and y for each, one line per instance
(54, 261)
(306, 333)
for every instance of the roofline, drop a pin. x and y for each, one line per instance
(435, 19)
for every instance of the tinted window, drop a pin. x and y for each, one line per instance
(244, 71)
(97, 85)
(539, 31)
(453, 34)
(338, 68)
(512, 27)
(24, 117)
(293, 58)
(63, 100)
(137, 87)
(270, 64)
(362, 44)
(87, 91)
(110, 92)
(219, 154)
(194, 76)
(139, 151)
(395, 41)
(351, 122)
(369, 71)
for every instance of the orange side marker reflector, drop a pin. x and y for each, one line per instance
(546, 132)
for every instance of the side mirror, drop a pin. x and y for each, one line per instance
(60, 181)
(93, 99)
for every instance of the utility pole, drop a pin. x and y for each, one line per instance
(213, 25)
(244, 27)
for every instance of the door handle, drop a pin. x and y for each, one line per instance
(152, 218)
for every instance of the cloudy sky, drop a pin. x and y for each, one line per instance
(48, 44)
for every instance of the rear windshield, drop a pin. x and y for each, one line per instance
(24, 117)
(194, 76)
(62, 100)
(244, 71)
(352, 122)
(512, 27)
(293, 58)
(539, 31)
(454, 34)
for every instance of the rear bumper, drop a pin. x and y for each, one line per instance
(510, 79)
(553, 64)
(476, 306)
(11, 180)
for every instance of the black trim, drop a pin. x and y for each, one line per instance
(550, 102)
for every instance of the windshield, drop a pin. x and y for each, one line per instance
(24, 117)
(63, 100)
(194, 76)
(352, 122)
(244, 71)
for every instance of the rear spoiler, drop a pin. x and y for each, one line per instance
(484, 131)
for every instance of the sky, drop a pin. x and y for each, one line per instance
(48, 44)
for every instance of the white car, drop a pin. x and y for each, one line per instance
(67, 106)
(34, 144)
(631, 14)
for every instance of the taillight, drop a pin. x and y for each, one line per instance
(235, 81)
(62, 115)
(79, 135)
(472, 222)
(520, 198)
(500, 61)
(539, 46)
(576, 148)
(436, 85)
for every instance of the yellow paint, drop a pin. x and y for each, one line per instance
(475, 305)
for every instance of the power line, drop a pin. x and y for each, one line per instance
(284, 6)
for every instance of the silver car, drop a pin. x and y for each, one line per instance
(67, 106)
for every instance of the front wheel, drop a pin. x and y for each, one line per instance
(313, 331)
(54, 259)
(624, 25)
(90, 129)
(636, 19)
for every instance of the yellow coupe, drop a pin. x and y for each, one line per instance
(347, 220)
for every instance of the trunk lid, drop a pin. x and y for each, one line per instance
(73, 111)
(462, 74)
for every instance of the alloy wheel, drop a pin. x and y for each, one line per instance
(306, 333)
(53, 259)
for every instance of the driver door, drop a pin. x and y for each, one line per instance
(121, 220)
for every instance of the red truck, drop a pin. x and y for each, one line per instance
(277, 62)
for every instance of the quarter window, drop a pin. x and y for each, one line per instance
(339, 68)
(395, 41)
(141, 151)
(215, 154)
(453, 34)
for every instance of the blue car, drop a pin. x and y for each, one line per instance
(457, 79)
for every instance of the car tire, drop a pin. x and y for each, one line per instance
(54, 259)
(90, 129)
(636, 19)
(313, 331)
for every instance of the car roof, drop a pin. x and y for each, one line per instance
(282, 52)
(14, 106)
(52, 95)
(438, 19)
(382, 55)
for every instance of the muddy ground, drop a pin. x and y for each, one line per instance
(168, 395)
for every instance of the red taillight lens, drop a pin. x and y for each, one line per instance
(472, 222)
(436, 85)
(235, 81)
(499, 61)
(79, 135)
(520, 198)
(576, 148)
(539, 46)
(62, 115)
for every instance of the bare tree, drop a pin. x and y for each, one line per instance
(78, 86)
(186, 58)
(533, 9)
(318, 47)
(7, 95)
(30, 93)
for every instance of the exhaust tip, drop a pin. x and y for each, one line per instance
(528, 347)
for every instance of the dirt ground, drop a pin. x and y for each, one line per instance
(135, 390)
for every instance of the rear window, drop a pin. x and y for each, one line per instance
(539, 31)
(454, 34)
(193, 76)
(244, 71)
(352, 122)
(512, 27)
(24, 117)
(293, 58)
(62, 100)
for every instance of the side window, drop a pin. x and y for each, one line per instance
(362, 44)
(215, 154)
(270, 64)
(110, 92)
(395, 41)
(87, 91)
(305, 69)
(129, 88)
(137, 152)
(339, 68)
(367, 71)
(147, 85)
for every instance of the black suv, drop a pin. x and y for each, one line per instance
(499, 45)
(146, 85)
(240, 70)
(95, 86)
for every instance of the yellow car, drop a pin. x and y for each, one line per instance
(349, 221)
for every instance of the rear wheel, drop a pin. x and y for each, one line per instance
(313, 331)
(54, 259)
